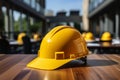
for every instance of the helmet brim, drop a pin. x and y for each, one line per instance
(47, 64)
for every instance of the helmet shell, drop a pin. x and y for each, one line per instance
(89, 36)
(36, 36)
(62, 39)
(60, 46)
(20, 36)
(106, 36)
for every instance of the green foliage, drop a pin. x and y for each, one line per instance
(32, 28)
(35, 27)
(68, 24)
(1, 21)
(77, 26)
(16, 26)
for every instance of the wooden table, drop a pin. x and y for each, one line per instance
(99, 67)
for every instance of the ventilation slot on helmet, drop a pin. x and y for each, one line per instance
(57, 30)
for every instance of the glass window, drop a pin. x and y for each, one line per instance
(94, 4)
(100, 1)
(27, 1)
(42, 10)
(33, 3)
(38, 7)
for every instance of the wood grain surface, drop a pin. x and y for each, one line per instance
(99, 67)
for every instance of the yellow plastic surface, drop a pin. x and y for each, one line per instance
(83, 34)
(36, 37)
(20, 36)
(106, 36)
(47, 64)
(57, 46)
(89, 36)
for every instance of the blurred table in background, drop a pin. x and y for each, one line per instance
(99, 67)
(104, 47)
(94, 46)
(18, 48)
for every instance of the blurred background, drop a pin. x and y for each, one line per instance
(40, 16)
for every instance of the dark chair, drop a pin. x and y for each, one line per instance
(4, 46)
(27, 46)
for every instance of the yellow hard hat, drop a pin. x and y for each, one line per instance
(106, 36)
(89, 36)
(20, 36)
(61, 45)
(83, 34)
(36, 36)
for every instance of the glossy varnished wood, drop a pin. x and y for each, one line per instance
(99, 67)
